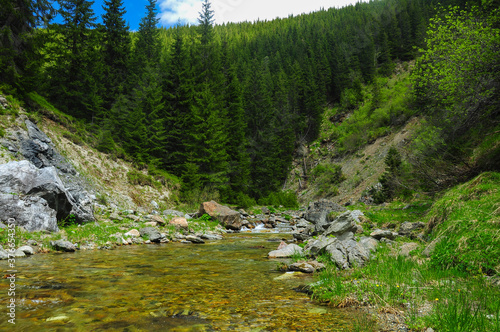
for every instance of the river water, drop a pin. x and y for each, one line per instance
(227, 285)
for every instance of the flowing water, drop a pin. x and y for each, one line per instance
(227, 285)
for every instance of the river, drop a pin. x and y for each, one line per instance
(227, 285)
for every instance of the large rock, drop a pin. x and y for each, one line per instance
(348, 253)
(227, 217)
(318, 212)
(151, 233)
(22, 177)
(382, 233)
(315, 247)
(287, 251)
(179, 222)
(307, 267)
(344, 223)
(408, 227)
(32, 213)
(63, 245)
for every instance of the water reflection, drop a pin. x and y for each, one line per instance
(227, 285)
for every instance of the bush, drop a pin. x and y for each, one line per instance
(244, 201)
(331, 173)
(287, 199)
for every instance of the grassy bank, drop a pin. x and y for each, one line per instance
(453, 287)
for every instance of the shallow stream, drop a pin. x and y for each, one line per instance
(227, 285)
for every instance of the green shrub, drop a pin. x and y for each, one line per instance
(331, 173)
(287, 199)
(244, 201)
(137, 178)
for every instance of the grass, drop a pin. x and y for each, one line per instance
(450, 291)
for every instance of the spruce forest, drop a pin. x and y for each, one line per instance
(223, 108)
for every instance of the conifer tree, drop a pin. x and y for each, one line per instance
(116, 50)
(18, 18)
(79, 70)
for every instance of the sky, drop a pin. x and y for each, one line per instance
(187, 11)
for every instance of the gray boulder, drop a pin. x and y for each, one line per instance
(407, 228)
(346, 222)
(306, 267)
(285, 252)
(27, 250)
(318, 212)
(32, 213)
(194, 239)
(315, 247)
(369, 243)
(62, 245)
(3, 254)
(348, 253)
(24, 178)
(379, 234)
(152, 233)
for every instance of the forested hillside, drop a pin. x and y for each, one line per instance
(223, 108)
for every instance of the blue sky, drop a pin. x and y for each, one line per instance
(171, 11)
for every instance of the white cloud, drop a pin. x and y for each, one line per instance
(187, 11)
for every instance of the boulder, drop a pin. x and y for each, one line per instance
(407, 248)
(317, 213)
(132, 233)
(22, 177)
(179, 222)
(306, 267)
(4, 254)
(33, 213)
(152, 233)
(211, 236)
(407, 228)
(315, 247)
(194, 239)
(379, 234)
(158, 220)
(63, 245)
(287, 251)
(344, 223)
(230, 219)
(369, 243)
(27, 250)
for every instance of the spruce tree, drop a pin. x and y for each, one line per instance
(116, 42)
(147, 45)
(79, 68)
(18, 18)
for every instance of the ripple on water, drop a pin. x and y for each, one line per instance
(228, 285)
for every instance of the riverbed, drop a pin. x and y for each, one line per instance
(227, 285)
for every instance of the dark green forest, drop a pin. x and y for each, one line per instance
(223, 107)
